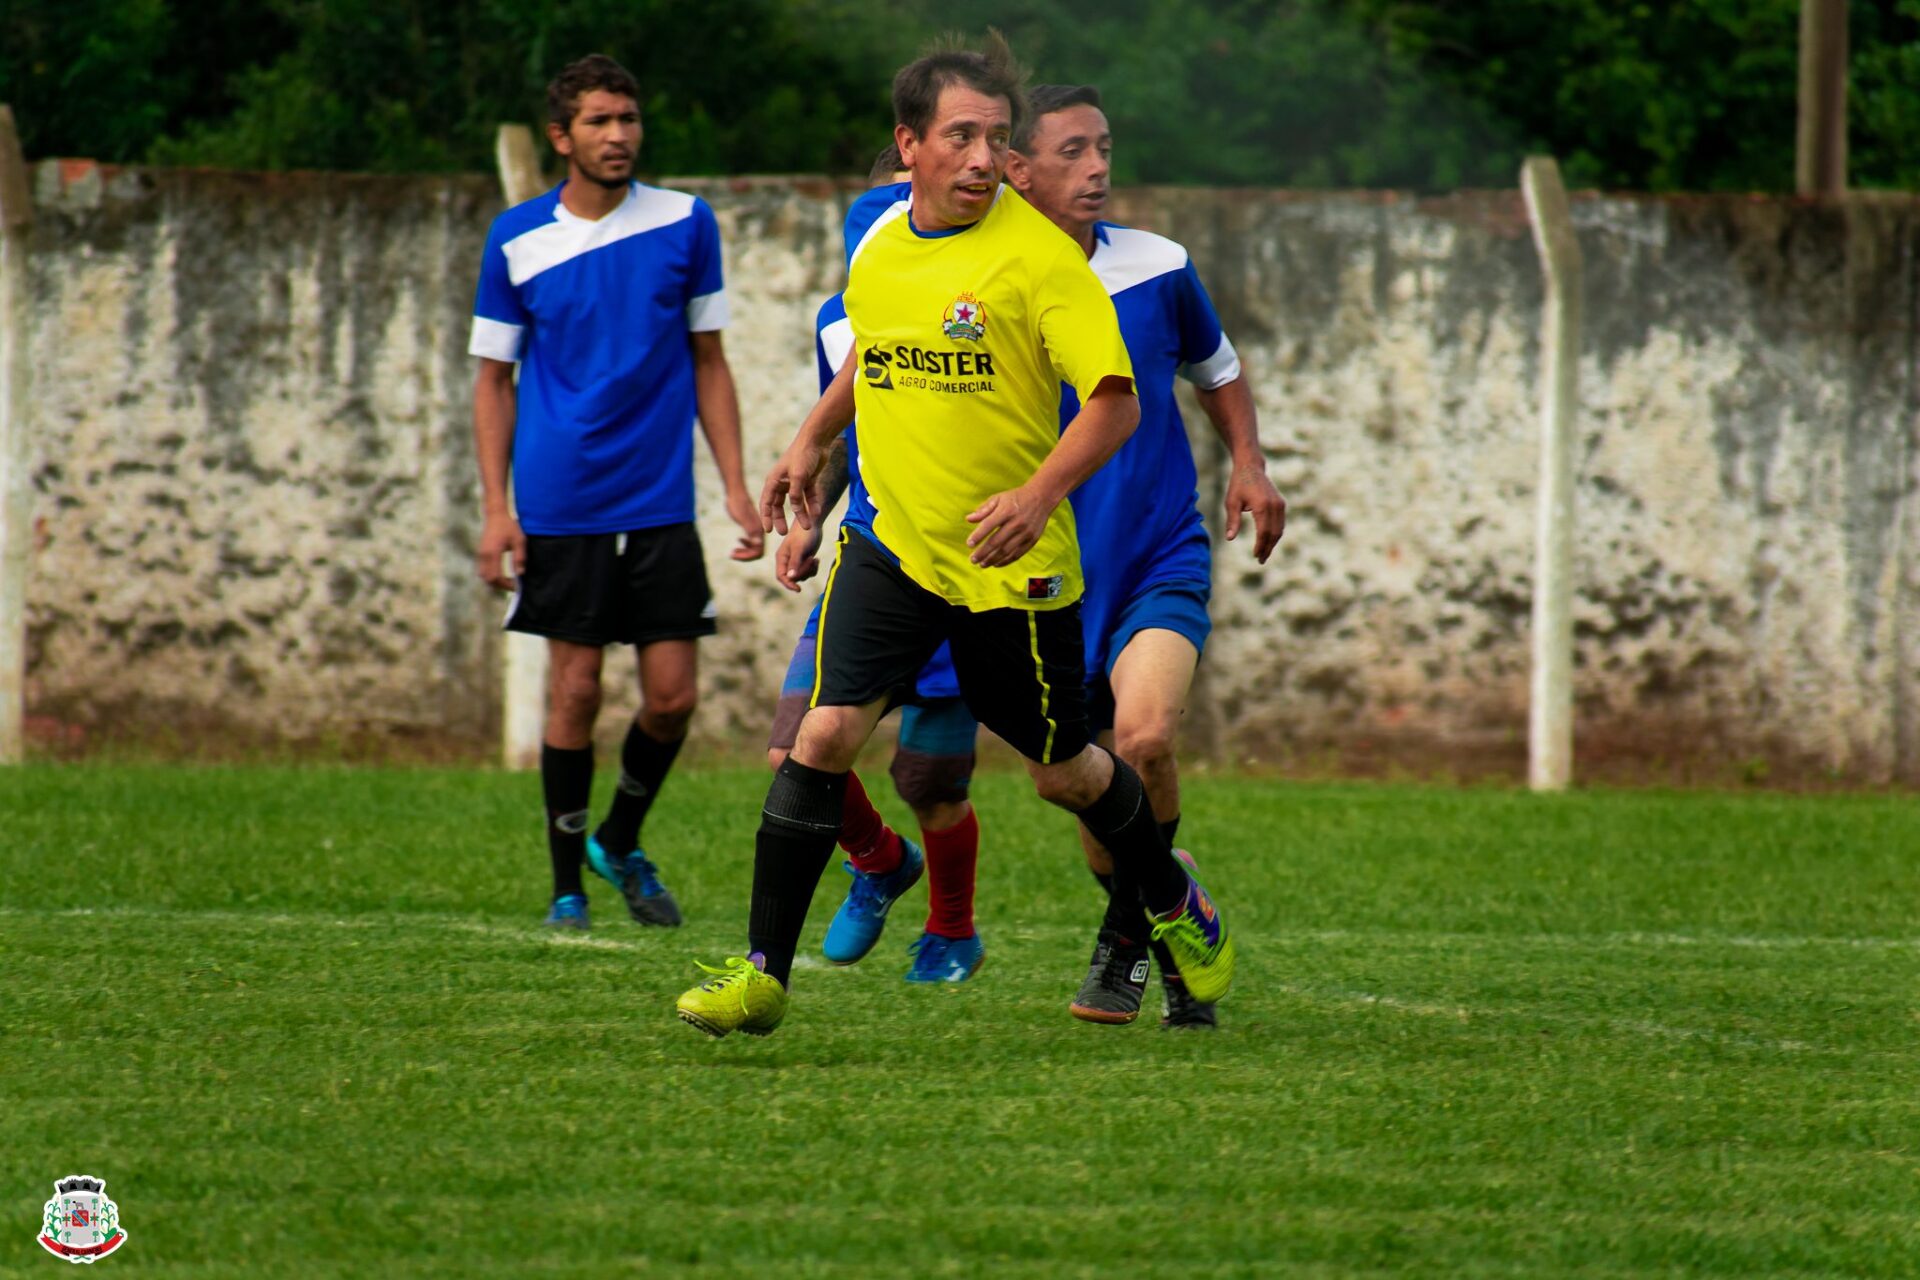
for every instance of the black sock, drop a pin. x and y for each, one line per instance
(644, 762)
(1144, 868)
(1170, 828)
(1123, 911)
(798, 829)
(566, 779)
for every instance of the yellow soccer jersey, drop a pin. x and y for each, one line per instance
(964, 338)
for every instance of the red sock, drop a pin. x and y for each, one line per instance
(865, 835)
(951, 856)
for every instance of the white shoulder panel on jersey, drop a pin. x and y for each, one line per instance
(567, 236)
(1129, 257)
(897, 209)
(837, 341)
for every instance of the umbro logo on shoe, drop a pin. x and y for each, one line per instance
(1139, 975)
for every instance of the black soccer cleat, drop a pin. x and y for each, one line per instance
(1116, 981)
(1182, 1012)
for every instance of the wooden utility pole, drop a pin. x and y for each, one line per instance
(1550, 718)
(523, 693)
(16, 524)
(1820, 150)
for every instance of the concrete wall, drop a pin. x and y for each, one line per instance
(256, 501)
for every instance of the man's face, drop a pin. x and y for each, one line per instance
(1066, 170)
(957, 165)
(603, 139)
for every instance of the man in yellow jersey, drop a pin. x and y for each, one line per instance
(969, 309)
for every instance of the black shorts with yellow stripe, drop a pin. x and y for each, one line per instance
(1021, 671)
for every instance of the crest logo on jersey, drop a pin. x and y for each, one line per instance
(965, 319)
(81, 1224)
(1045, 588)
(876, 366)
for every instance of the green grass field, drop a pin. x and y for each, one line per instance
(302, 1022)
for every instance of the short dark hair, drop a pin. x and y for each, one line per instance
(578, 79)
(885, 165)
(990, 70)
(1044, 100)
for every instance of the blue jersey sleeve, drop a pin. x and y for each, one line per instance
(499, 319)
(822, 365)
(706, 287)
(867, 210)
(1207, 358)
(832, 338)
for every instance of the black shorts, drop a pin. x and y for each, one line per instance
(1021, 671)
(615, 588)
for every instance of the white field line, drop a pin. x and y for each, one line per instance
(531, 932)
(521, 935)
(1465, 1013)
(1578, 941)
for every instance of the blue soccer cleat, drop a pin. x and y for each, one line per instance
(605, 865)
(938, 959)
(857, 924)
(638, 881)
(648, 901)
(568, 912)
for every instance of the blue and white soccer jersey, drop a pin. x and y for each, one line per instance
(1145, 552)
(597, 314)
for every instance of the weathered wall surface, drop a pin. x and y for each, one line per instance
(256, 501)
(1746, 570)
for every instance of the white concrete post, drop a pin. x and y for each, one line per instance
(16, 496)
(1550, 722)
(523, 694)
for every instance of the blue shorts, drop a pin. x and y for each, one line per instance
(936, 686)
(1176, 606)
(1124, 594)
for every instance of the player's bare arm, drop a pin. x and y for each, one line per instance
(795, 476)
(493, 419)
(797, 558)
(718, 406)
(1249, 491)
(1011, 522)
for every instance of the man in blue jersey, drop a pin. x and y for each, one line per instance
(1144, 547)
(607, 294)
(933, 762)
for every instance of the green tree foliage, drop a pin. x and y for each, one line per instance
(421, 84)
(1232, 92)
(105, 78)
(1427, 94)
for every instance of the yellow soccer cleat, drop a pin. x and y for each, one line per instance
(1197, 936)
(738, 997)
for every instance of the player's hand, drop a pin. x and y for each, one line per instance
(753, 539)
(1250, 492)
(797, 558)
(1010, 523)
(498, 536)
(792, 480)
